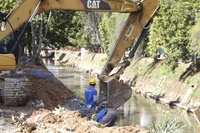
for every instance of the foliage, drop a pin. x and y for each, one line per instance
(160, 71)
(195, 40)
(193, 79)
(169, 30)
(105, 31)
(169, 124)
(63, 27)
(195, 95)
(68, 26)
(110, 28)
(165, 70)
(175, 29)
(80, 38)
(104, 60)
(7, 5)
(91, 21)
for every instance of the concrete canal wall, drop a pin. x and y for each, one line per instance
(161, 88)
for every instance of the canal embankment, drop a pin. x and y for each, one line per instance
(148, 77)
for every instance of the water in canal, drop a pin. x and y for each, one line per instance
(137, 110)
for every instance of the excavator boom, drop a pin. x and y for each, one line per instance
(111, 89)
(23, 11)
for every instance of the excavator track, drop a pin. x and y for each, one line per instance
(14, 91)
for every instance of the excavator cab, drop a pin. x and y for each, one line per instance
(7, 60)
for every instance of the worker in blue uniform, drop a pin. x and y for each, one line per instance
(106, 116)
(90, 98)
(91, 95)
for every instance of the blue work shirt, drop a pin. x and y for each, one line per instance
(89, 93)
(107, 117)
(100, 115)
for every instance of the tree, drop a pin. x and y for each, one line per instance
(37, 31)
(7, 5)
(194, 33)
(46, 28)
(79, 36)
(195, 40)
(110, 28)
(91, 28)
(169, 30)
(68, 27)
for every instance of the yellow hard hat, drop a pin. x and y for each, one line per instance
(93, 81)
(93, 115)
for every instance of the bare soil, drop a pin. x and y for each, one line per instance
(36, 118)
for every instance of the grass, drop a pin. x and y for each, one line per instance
(165, 71)
(193, 80)
(195, 95)
(102, 61)
(79, 95)
(169, 124)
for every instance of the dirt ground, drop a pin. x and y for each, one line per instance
(51, 108)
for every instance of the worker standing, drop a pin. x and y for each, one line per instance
(91, 98)
(91, 95)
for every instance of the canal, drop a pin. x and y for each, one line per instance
(137, 110)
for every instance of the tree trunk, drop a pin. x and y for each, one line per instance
(39, 47)
(38, 39)
(93, 19)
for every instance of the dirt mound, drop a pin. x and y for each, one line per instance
(44, 86)
(53, 93)
(71, 121)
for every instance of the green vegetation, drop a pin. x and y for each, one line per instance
(161, 71)
(104, 60)
(175, 29)
(7, 5)
(195, 95)
(110, 28)
(170, 30)
(169, 124)
(164, 70)
(79, 95)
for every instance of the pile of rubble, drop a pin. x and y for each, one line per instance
(52, 108)
(62, 120)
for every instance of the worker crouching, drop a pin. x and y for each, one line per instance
(106, 116)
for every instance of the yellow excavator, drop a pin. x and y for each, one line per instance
(111, 89)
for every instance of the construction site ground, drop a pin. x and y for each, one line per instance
(51, 108)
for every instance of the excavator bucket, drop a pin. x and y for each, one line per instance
(113, 91)
(7, 62)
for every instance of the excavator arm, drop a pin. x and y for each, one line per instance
(114, 91)
(23, 11)
(111, 89)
